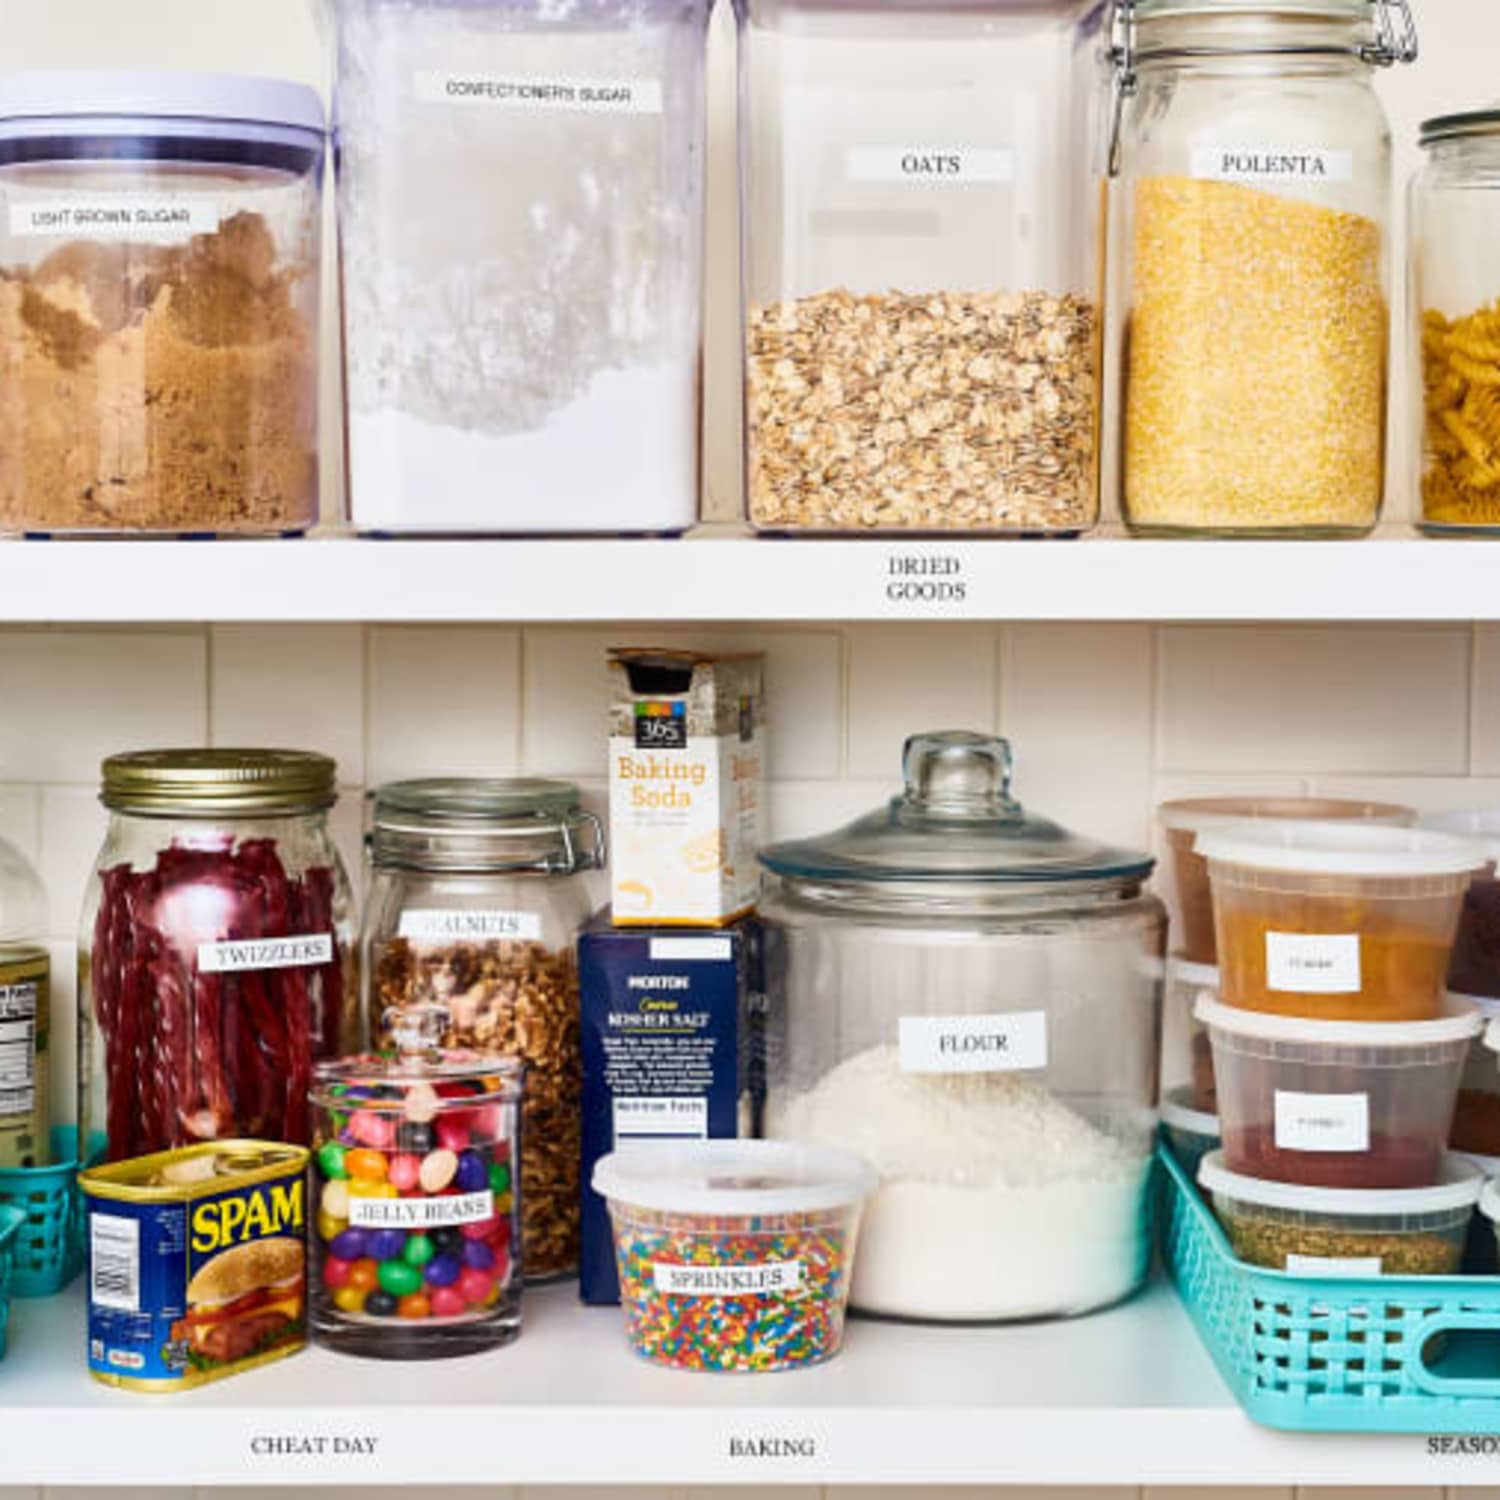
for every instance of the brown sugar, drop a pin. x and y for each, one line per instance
(163, 388)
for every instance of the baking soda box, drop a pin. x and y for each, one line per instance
(687, 756)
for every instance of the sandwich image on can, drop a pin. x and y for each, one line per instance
(196, 1267)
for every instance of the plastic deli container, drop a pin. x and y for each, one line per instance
(734, 1256)
(160, 239)
(1340, 1104)
(1474, 968)
(1334, 920)
(1183, 820)
(1313, 1231)
(521, 221)
(1476, 1119)
(1187, 1057)
(1191, 1133)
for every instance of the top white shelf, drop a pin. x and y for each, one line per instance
(718, 575)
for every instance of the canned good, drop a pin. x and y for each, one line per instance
(196, 1267)
(25, 980)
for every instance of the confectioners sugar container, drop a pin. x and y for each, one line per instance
(972, 1002)
(922, 263)
(160, 235)
(521, 211)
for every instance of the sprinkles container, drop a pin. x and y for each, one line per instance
(734, 1256)
(416, 1228)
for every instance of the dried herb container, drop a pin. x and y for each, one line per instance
(476, 898)
(1346, 1231)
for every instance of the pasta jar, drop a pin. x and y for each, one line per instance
(416, 1231)
(1454, 222)
(159, 304)
(521, 217)
(477, 894)
(216, 951)
(1256, 176)
(923, 265)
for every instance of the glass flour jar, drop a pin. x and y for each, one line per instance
(972, 1002)
(521, 209)
(1256, 174)
(922, 263)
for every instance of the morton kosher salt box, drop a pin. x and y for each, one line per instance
(687, 754)
(673, 1049)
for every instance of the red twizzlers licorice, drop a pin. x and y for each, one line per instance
(218, 978)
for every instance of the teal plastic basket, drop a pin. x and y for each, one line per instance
(1330, 1354)
(11, 1220)
(49, 1248)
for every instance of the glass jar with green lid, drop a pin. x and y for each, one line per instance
(1256, 163)
(478, 890)
(216, 959)
(1454, 230)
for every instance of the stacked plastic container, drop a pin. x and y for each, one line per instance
(1337, 1047)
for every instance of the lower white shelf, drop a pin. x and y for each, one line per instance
(1125, 1397)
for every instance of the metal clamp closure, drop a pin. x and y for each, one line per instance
(1395, 35)
(1121, 43)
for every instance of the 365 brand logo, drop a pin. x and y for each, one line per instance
(661, 726)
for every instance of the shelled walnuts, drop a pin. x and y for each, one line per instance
(924, 412)
(519, 998)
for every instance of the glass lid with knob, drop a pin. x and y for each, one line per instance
(956, 823)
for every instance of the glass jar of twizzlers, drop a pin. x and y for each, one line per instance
(416, 1240)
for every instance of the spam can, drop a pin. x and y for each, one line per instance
(196, 1263)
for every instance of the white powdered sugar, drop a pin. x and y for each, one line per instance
(997, 1199)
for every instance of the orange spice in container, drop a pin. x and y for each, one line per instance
(1336, 921)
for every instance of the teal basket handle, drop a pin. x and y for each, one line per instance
(1425, 1379)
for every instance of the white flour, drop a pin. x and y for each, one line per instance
(998, 1201)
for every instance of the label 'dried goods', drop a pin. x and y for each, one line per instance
(974, 1044)
(1313, 963)
(163, 218)
(1322, 1122)
(430, 924)
(246, 955)
(1271, 164)
(958, 165)
(617, 96)
(675, 1280)
(422, 1213)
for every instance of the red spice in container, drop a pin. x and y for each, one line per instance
(1388, 1162)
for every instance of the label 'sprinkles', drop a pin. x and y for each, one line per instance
(727, 1281)
(974, 1044)
(1313, 963)
(244, 955)
(160, 217)
(421, 1213)
(1271, 164)
(426, 925)
(1322, 1122)
(959, 165)
(618, 96)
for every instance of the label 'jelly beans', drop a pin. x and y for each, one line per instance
(417, 1203)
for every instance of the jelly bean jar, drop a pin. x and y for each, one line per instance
(416, 1237)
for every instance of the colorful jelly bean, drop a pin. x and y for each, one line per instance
(452, 1134)
(415, 1305)
(381, 1304)
(499, 1175)
(399, 1279)
(437, 1170)
(474, 1286)
(334, 1199)
(349, 1299)
(371, 1128)
(349, 1244)
(330, 1228)
(404, 1171)
(442, 1270)
(386, 1244)
(331, 1160)
(472, 1176)
(446, 1302)
(364, 1275)
(336, 1271)
(418, 1250)
(478, 1254)
(366, 1164)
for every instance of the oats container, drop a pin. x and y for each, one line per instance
(922, 286)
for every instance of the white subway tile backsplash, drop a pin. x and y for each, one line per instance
(1485, 757)
(62, 1040)
(443, 702)
(296, 686)
(1427, 794)
(1373, 699)
(73, 697)
(902, 681)
(800, 808)
(73, 825)
(21, 824)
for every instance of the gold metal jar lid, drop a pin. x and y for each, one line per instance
(227, 783)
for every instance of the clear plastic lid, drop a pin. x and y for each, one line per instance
(1183, 971)
(956, 822)
(1458, 1186)
(1355, 849)
(1459, 1022)
(1177, 1112)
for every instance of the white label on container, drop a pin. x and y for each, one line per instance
(949, 164)
(974, 1044)
(421, 1213)
(689, 950)
(615, 96)
(161, 217)
(1330, 1265)
(675, 1118)
(1313, 963)
(1271, 164)
(243, 955)
(426, 924)
(1322, 1122)
(727, 1281)
(115, 1262)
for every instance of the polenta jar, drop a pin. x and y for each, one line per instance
(1454, 226)
(1256, 165)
